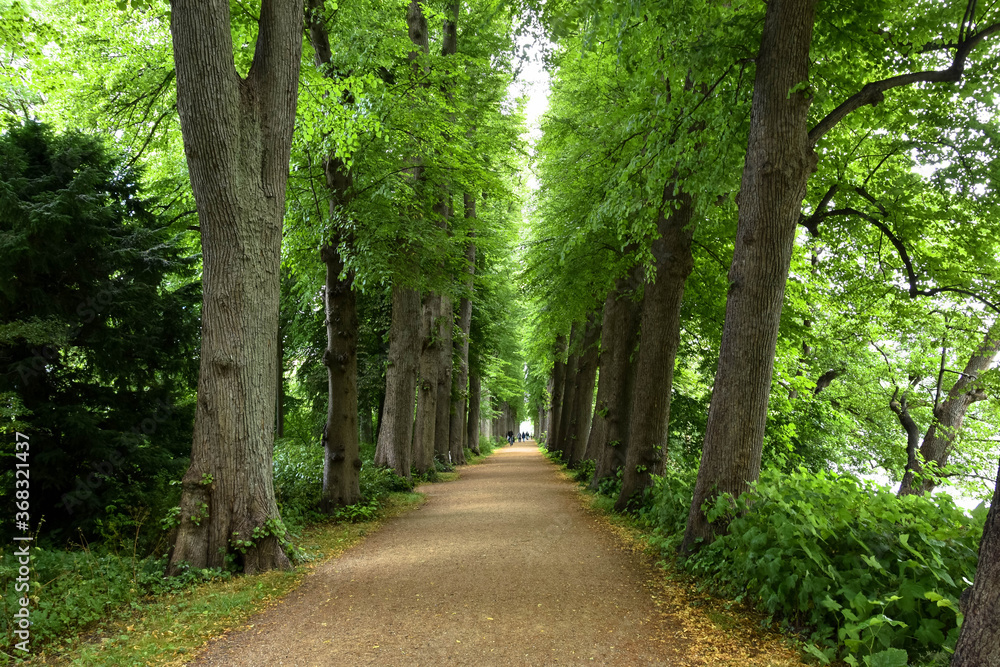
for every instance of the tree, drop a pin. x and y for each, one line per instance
(780, 158)
(979, 642)
(98, 330)
(237, 136)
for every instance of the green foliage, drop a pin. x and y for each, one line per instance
(584, 472)
(98, 331)
(298, 483)
(73, 589)
(847, 561)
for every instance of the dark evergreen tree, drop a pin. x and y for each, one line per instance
(98, 330)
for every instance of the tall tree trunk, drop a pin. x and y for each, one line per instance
(900, 406)
(341, 461)
(366, 432)
(380, 415)
(396, 430)
(778, 163)
(237, 137)
(584, 396)
(475, 395)
(949, 416)
(569, 384)
(649, 416)
(459, 428)
(979, 642)
(558, 387)
(619, 335)
(427, 385)
(460, 391)
(445, 371)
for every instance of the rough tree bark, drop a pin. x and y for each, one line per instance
(459, 431)
(778, 163)
(899, 404)
(619, 335)
(584, 394)
(341, 460)
(396, 428)
(475, 396)
(949, 416)
(428, 370)
(237, 138)
(568, 392)
(649, 415)
(979, 642)
(558, 386)
(445, 371)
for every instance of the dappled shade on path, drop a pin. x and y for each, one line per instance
(502, 566)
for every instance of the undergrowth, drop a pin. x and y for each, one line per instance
(861, 575)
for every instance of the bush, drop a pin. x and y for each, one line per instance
(866, 572)
(298, 479)
(584, 472)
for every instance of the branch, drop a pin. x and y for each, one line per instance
(911, 277)
(812, 222)
(874, 92)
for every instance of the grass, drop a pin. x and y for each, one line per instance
(169, 629)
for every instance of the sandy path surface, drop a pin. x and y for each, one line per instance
(501, 567)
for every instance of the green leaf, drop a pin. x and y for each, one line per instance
(890, 657)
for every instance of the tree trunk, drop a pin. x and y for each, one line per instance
(584, 395)
(396, 429)
(379, 415)
(569, 384)
(341, 461)
(949, 416)
(902, 410)
(460, 391)
(237, 137)
(475, 395)
(649, 416)
(366, 432)
(778, 163)
(558, 387)
(445, 371)
(427, 385)
(979, 642)
(619, 335)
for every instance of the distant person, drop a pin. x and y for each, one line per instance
(510, 437)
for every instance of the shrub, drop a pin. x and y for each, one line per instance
(584, 471)
(866, 572)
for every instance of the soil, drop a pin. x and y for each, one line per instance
(503, 566)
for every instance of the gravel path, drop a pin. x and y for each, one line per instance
(501, 567)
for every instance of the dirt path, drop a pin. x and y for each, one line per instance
(501, 567)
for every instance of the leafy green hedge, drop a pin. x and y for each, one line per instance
(871, 578)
